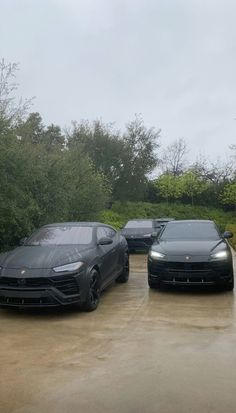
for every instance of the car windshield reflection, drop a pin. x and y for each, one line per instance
(190, 231)
(66, 235)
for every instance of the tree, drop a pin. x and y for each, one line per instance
(169, 186)
(173, 158)
(86, 190)
(192, 185)
(228, 197)
(11, 110)
(140, 158)
(125, 160)
(102, 144)
(31, 129)
(217, 172)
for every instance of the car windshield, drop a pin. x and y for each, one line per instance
(139, 224)
(190, 231)
(66, 235)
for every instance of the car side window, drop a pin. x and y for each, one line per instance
(101, 233)
(111, 233)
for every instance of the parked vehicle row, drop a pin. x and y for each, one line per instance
(72, 262)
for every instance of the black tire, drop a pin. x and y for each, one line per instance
(124, 276)
(93, 293)
(153, 285)
(230, 285)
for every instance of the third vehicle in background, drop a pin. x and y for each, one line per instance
(140, 233)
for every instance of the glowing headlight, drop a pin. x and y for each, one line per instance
(74, 266)
(155, 254)
(220, 255)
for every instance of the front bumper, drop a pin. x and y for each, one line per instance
(194, 273)
(39, 292)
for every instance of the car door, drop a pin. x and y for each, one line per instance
(107, 254)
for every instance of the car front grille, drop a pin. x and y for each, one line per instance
(29, 301)
(66, 284)
(181, 269)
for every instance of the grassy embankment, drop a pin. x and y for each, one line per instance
(120, 213)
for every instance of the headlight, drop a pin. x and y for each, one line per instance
(220, 255)
(74, 266)
(155, 254)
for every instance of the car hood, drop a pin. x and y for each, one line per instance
(188, 247)
(42, 256)
(136, 232)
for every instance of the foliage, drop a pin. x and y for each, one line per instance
(41, 183)
(129, 210)
(229, 194)
(113, 218)
(232, 228)
(11, 110)
(169, 186)
(191, 185)
(187, 185)
(125, 160)
(47, 175)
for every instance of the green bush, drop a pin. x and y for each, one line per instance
(112, 218)
(232, 228)
(122, 212)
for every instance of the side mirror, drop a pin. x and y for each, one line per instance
(105, 241)
(228, 234)
(154, 234)
(22, 240)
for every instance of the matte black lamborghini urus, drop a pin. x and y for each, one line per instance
(191, 253)
(63, 264)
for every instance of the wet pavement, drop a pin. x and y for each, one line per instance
(140, 351)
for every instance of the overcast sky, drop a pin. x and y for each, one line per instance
(173, 61)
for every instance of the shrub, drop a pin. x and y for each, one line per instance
(122, 212)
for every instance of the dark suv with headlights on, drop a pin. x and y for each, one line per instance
(191, 252)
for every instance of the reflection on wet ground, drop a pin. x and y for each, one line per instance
(141, 351)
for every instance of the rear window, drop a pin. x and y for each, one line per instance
(139, 224)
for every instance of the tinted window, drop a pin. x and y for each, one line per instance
(110, 232)
(190, 231)
(105, 232)
(139, 224)
(62, 236)
(101, 233)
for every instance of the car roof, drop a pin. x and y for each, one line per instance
(78, 224)
(141, 219)
(189, 221)
(164, 219)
